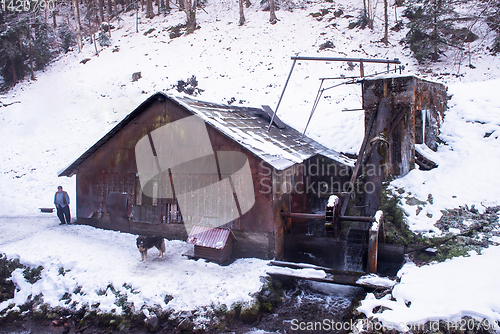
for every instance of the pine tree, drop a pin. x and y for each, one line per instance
(14, 51)
(41, 44)
(66, 36)
(431, 26)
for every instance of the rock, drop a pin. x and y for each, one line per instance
(136, 76)
(250, 311)
(185, 325)
(152, 321)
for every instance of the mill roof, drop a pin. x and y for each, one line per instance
(281, 147)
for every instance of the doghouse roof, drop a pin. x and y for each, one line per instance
(210, 237)
(281, 147)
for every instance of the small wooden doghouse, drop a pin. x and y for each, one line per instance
(417, 109)
(214, 244)
(289, 173)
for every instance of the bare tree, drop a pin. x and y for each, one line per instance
(368, 13)
(54, 22)
(78, 25)
(149, 9)
(386, 23)
(101, 11)
(272, 14)
(110, 9)
(190, 10)
(242, 14)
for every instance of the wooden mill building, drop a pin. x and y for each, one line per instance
(284, 170)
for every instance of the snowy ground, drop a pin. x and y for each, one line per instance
(93, 259)
(71, 105)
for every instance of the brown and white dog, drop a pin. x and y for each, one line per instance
(144, 243)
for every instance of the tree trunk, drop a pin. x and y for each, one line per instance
(13, 67)
(31, 62)
(242, 14)
(386, 23)
(190, 10)
(368, 13)
(101, 11)
(435, 37)
(30, 37)
(149, 9)
(54, 18)
(77, 24)
(272, 14)
(110, 10)
(95, 45)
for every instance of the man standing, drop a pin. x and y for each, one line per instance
(61, 200)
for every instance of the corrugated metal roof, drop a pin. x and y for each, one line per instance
(279, 147)
(208, 236)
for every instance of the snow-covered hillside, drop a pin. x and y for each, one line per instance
(51, 121)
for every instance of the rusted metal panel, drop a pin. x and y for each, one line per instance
(205, 236)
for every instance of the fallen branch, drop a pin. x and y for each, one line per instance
(8, 104)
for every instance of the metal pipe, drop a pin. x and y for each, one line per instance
(302, 215)
(316, 101)
(357, 219)
(320, 216)
(281, 97)
(365, 60)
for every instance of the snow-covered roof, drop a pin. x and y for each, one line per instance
(281, 147)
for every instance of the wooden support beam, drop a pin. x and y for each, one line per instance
(341, 280)
(357, 166)
(373, 240)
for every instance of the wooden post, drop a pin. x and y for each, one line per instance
(371, 266)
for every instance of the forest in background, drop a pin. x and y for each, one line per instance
(35, 32)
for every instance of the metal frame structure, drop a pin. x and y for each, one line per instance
(353, 80)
